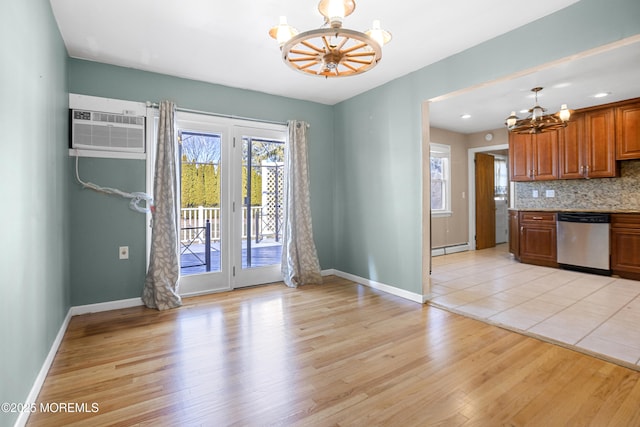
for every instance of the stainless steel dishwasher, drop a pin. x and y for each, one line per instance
(583, 242)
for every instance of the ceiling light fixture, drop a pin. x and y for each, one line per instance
(331, 51)
(538, 121)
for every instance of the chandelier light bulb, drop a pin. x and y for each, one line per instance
(334, 11)
(512, 119)
(381, 36)
(537, 112)
(565, 114)
(283, 32)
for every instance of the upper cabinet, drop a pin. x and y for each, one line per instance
(588, 147)
(599, 138)
(533, 157)
(628, 131)
(572, 149)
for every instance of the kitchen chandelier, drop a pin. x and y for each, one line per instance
(538, 122)
(331, 51)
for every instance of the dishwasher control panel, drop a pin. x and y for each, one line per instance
(586, 217)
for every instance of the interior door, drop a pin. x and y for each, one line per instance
(485, 201)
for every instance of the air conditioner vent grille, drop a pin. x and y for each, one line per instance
(117, 118)
(107, 131)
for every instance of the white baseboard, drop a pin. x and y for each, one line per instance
(44, 370)
(450, 249)
(105, 306)
(437, 252)
(411, 296)
(456, 248)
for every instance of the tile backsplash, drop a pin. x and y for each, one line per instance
(621, 193)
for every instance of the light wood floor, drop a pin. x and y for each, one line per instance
(336, 354)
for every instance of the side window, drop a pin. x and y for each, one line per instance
(501, 178)
(440, 179)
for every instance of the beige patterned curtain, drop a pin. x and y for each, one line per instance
(161, 284)
(300, 264)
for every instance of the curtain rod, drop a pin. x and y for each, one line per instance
(226, 116)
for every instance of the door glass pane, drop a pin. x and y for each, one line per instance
(200, 203)
(262, 195)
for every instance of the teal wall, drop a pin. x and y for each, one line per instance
(34, 230)
(103, 223)
(377, 220)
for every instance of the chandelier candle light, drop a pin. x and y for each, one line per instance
(537, 121)
(331, 51)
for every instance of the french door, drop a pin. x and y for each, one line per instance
(258, 221)
(231, 176)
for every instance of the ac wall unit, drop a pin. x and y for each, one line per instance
(92, 130)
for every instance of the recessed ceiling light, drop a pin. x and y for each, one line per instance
(601, 94)
(524, 111)
(465, 116)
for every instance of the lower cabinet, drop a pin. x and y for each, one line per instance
(533, 236)
(538, 238)
(625, 245)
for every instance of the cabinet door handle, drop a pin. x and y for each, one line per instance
(587, 172)
(582, 170)
(536, 217)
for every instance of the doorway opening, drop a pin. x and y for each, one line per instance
(500, 192)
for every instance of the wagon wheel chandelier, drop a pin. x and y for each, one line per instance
(538, 121)
(331, 51)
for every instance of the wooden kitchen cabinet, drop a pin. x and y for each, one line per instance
(599, 137)
(572, 149)
(538, 238)
(533, 157)
(514, 234)
(627, 118)
(625, 245)
(587, 146)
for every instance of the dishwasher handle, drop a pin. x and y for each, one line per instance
(585, 217)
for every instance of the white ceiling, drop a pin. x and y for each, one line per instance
(613, 70)
(227, 42)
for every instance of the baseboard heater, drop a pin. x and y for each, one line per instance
(445, 250)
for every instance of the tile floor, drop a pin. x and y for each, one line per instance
(595, 314)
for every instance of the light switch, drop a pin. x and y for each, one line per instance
(550, 193)
(535, 194)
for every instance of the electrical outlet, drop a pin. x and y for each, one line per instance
(124, 252)
(550, 193)
(535, 194)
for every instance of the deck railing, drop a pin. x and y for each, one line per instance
(192, 218)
